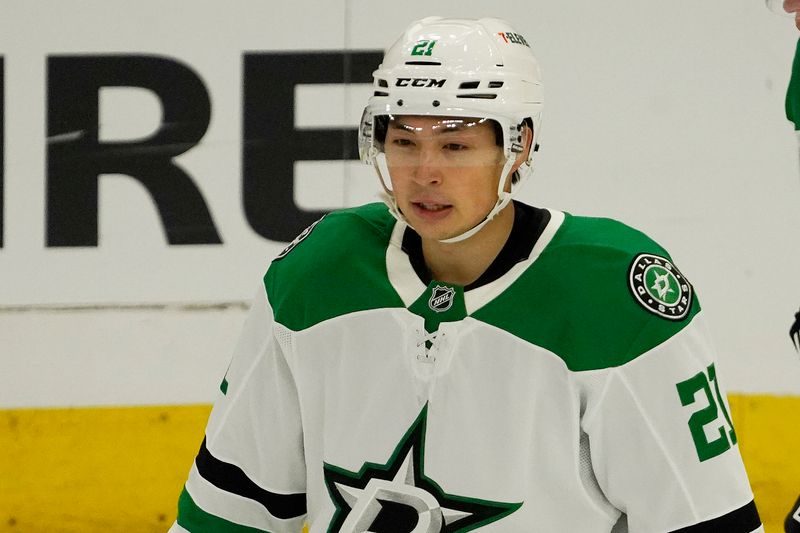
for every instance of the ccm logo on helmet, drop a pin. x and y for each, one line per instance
(419, 82)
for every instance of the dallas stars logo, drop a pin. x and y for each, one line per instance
(398, 497)
(660, 287)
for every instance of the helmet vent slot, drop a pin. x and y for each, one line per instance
(382, 83)
(482, 96)
(380, 93)
(469, 85)
(434, 63)
(495, 84)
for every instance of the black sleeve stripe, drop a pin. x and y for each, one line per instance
(232, 479)
(743, 520)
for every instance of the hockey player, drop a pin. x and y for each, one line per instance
(792, 521)
(456, 360)
(792, 105)
(793, 114)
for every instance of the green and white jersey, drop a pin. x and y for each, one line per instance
(575, 392)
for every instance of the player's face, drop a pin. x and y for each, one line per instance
(444, 172)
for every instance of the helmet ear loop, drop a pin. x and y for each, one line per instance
(512, 152)
(503, 199)
(528, 146)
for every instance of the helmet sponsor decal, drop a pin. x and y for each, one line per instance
(515, 38)
(658, 286)
(441, 298)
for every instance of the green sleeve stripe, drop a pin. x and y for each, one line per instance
(192, 518)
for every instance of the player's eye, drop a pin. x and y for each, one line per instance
(455, 147)
(402, 142)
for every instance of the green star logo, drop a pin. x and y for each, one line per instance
(662, 284)
(398, 496)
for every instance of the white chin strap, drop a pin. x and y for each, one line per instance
(503, 199)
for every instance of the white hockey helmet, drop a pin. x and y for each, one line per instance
(482, 69)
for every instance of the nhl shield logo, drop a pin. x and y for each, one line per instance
(441, 298)
(658, 286)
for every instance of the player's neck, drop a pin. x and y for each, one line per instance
(461, 263)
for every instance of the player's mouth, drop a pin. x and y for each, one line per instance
(431, 210)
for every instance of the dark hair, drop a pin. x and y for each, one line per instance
(380, 125)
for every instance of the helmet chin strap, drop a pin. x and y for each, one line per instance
(503, 199)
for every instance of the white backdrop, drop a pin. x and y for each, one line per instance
(668, 118)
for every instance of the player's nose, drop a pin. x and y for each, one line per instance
(429, 166)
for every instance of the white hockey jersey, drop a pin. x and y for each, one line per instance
(577, 393)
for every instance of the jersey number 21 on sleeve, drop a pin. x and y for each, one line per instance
(721, 439)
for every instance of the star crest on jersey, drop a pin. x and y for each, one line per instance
(398, 496)
(658, 286)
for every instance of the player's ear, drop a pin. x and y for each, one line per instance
(527, 143)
